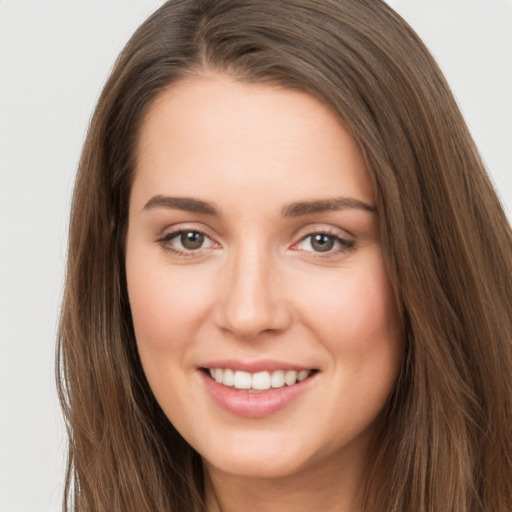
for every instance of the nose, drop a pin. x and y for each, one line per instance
(252, 302)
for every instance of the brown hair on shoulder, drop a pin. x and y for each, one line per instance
(446, 437)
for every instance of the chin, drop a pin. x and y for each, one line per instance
(254, 466)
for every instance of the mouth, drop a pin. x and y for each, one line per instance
(258, 382)
(256, 389)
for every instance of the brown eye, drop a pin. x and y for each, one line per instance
(325, 243)
(322, 242)
(191, 240)
(187, 243)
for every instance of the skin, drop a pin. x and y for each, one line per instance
(259, 289)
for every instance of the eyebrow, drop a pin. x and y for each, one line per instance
(296, 209)
(187, 204)
(325, 205)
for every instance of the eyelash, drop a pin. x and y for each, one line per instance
(344, 245)
(164, 242)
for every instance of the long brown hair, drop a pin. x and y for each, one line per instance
(446, 437)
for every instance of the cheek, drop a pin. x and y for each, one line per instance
(355, 318)
(167, 311)
(355, 315)
(165, 307)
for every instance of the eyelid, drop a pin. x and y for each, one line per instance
(185, 226)
(327, 229)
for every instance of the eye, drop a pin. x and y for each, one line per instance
(191, 240)
(186, 241)
(324, 243)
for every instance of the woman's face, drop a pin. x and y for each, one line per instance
(253, 255)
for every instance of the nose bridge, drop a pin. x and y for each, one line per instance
(251, 302)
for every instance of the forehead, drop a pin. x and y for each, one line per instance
(212, 133)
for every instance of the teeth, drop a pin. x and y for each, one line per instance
(228, 377)
(304, 374)
(277, 379)
(290, 378)
(259, 381)
(242, 380)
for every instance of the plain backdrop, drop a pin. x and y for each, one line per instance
(54, 58)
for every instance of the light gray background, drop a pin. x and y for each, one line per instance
(54, 58)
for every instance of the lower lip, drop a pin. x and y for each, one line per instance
(254, 405)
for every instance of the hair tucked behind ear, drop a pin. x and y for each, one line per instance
(446, 437)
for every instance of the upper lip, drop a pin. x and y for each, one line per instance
(255, 366)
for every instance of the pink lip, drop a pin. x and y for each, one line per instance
(254, 366)
(254, 405)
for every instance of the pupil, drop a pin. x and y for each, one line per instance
(322, 243)
(192, 240)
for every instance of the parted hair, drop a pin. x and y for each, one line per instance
(445, 439)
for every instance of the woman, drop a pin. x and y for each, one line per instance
(289, 276)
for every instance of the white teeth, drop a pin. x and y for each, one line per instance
(243, 380)
(228, 378)
(259, 381)
(277, 379)
(304, 374)
(218, 375)
(290, 378)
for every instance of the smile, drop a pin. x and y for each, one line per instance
(257, 393)
(259, 381)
